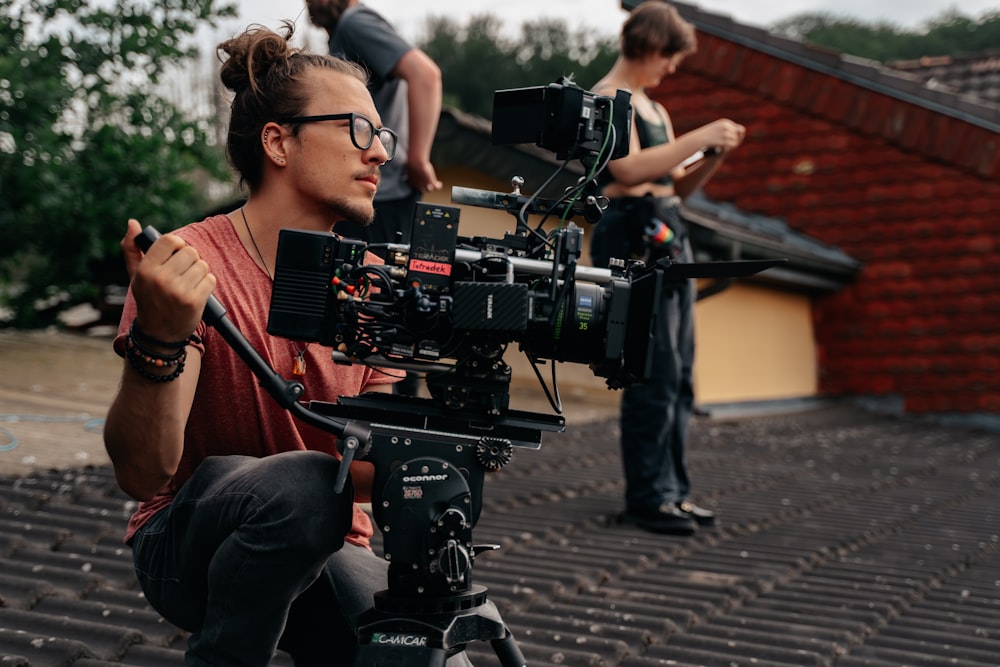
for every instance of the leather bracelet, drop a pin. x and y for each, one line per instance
(139, 335)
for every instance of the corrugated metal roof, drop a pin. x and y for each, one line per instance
(846, 538)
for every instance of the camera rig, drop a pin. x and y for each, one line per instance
(449, 307)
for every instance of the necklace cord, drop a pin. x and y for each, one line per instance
(299, 361)
(254, 242)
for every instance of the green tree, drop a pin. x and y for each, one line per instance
(478, 58)
(85, 143)
(951, 33)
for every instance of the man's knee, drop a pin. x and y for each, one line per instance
(297, 490)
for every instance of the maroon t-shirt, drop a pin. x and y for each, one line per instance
(232, 413)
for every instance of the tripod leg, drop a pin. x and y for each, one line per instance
(508, 651)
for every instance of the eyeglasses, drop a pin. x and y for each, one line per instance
(363, 130)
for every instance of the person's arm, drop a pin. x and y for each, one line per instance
(144, 429)
(423, 80)
(644, 165)
(689, 179)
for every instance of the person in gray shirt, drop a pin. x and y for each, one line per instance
(406, 86)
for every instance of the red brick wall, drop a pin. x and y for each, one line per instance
(910, 193)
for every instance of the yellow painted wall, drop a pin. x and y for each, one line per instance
(753, 343)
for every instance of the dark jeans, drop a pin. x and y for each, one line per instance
(250, 557)
(655, 415)
(249, 543)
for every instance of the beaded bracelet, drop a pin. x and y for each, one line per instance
(141, 359)
(149, 358)
(137, 364)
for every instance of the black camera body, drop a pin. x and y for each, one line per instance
(443, 300)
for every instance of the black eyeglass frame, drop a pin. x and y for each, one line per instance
(376, 131)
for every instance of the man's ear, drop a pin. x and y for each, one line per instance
(272, 138)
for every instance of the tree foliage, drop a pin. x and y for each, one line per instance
(477, 58)
(85, 143)
(951, 33)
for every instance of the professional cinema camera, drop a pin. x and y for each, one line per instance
(448, 307)
(444, 297)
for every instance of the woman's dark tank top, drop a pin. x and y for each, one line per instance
(650, 134)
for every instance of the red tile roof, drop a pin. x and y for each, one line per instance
(901, 176)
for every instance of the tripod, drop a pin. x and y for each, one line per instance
(430, 463)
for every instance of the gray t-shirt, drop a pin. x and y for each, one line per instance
(363, 36)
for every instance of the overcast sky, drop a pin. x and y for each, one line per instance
(606, 15)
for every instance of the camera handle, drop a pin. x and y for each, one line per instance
(353, 438)
(590, 208)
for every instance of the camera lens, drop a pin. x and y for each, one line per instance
(577, 333)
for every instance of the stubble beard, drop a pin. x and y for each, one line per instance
(351, 212)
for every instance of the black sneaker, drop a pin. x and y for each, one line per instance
(667, 519)
(700, 515)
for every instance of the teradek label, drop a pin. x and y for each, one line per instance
(433, 268)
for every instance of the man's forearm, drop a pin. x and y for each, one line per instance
(144, 429)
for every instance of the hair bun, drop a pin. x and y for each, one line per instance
(250, 57)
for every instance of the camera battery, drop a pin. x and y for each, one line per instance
(490, 307)
(303, 307)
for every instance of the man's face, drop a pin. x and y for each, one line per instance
(330, 170)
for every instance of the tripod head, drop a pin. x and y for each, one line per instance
(430, 463)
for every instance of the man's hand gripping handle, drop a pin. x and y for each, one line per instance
(354, 438)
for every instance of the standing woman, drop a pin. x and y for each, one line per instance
(649, 183)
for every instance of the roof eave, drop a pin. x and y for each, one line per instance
(802, 269)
